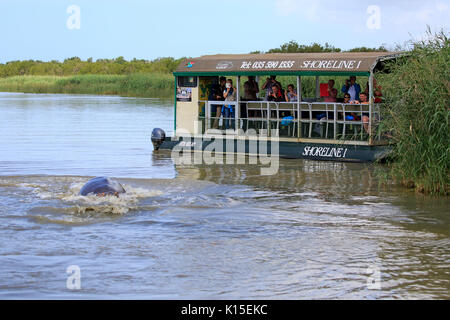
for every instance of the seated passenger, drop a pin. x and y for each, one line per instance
(270, 82)
(365, 116)
(346, 98)
(350, 116)
(363, 99)
(291, 95)
(276, 94)
(352, 88)
(332, 92)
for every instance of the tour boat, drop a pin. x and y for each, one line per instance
(309, 128)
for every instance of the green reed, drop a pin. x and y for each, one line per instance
(417, 116)
(136, 85)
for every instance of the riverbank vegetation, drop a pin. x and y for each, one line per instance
(132, 85)
(417, 93)
(76, 66)
(137, 77)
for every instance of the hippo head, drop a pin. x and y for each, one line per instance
(102, 186)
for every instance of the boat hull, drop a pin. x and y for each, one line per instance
(286, 149)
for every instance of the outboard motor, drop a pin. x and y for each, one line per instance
(158, 137)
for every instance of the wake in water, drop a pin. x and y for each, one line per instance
(110, 204)
(59, 201)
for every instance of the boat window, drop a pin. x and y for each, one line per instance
(189, 82)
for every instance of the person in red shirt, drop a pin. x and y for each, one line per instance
(332, 92)
(377, 94)
(276, 94)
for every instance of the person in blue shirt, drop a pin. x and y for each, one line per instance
(352, 88)
(228, 110)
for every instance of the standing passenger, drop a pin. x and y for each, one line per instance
(217, 93)
(352, 88)
(251, 89)
(228, 110)
(376, 91)
(332, 92)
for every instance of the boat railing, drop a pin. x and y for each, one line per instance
(306, 120)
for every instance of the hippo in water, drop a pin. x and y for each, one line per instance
(102, 186)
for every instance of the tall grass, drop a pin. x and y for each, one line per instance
(417, 115)
(136, 85)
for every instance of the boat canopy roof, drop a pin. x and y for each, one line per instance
(336, 63)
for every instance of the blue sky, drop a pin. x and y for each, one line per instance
(37, 29)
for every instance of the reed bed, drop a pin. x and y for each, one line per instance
(417, 92)
(136, 85)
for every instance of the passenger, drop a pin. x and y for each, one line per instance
(276, 94)
(351, 116)
(217, 95)
(363, 99)
(365, 116)
(376, 91)
(291, 95)
(347, 98)
(332, 92)
(352, 88)
(251, 89)
(218, 88)
(270, 82)
(228, 110)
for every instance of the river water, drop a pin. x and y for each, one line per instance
(315, 230)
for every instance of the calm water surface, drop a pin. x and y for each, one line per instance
(210, 232)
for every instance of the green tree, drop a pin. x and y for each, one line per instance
(365, 49)
(294, 47)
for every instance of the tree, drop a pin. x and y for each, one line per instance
(294, 47)
(365, 49)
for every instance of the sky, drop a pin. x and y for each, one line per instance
(53, 30)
